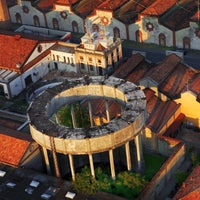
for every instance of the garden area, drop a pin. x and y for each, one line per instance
(127, 184)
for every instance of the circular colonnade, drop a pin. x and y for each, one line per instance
(96, 139)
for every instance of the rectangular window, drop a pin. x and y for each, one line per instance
(91, 68)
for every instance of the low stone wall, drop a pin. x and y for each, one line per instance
(160, 180)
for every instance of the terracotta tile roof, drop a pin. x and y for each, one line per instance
(99, 108)
(138, 72)
(191, 187)
(45, 5)
(111, 5)
(12, 147)
(152, 100)
(159, 112)
(159, 7)
(194, 86)
(126, 68)
(86, 7)
(162, 113)
(196, 16)
(66, 2)
(179, 16)
(15, 49)
(175, 125)
(160, 71)
(177, 81)
(128, 13)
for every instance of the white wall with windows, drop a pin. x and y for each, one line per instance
(27, 14)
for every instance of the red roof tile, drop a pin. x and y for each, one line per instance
(152, 100)
(177, 81)
(12, 149)
(128, 13)
(14, 49)
(194, 86)
(159, 7)
(46, 5)
(190, 189)
(159, 112)
(196, 16)
(66, 2)
(111, 5)
(179, 16)
(126, 68)
(161, 71)
(86, 7)
(138, 72)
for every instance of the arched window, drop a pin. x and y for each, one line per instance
(55, 23)
(95, 28)
(116, 32)
(186, 43)
(138, 36)
(162, 39)
(18, 18)
(74, 26)
(36, 20)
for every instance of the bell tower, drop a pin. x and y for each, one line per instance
(4, 13)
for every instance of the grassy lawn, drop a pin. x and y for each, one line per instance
(153, 163)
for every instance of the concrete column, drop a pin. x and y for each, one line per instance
(55, 159)
(73, 116)
(128, 156)
(46, 159)
(91, 165)
(107, 111)
(139, 151)
(71, 163)
(112, 164)
(90, 113)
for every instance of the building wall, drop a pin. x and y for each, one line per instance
(27, 13)
(4, 13)
(65, 18)
(190, 107)
(155, 187)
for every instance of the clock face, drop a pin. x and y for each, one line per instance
(104, 21)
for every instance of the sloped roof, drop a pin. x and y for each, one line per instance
(152, 100)
(45, 5)
(177, 81)
(160, 71)
(86, 7)
(126, 68)
(15, 49)
(159, 111)
(194, 85)
(13, 146)
(66, 2)
(196, 16)
(138, 72)
(190, 189)
(111, 5)
(179, 16)
(159, 7)
(128, 13)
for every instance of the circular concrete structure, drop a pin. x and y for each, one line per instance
(79, 141)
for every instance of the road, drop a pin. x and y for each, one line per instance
(157, 55)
